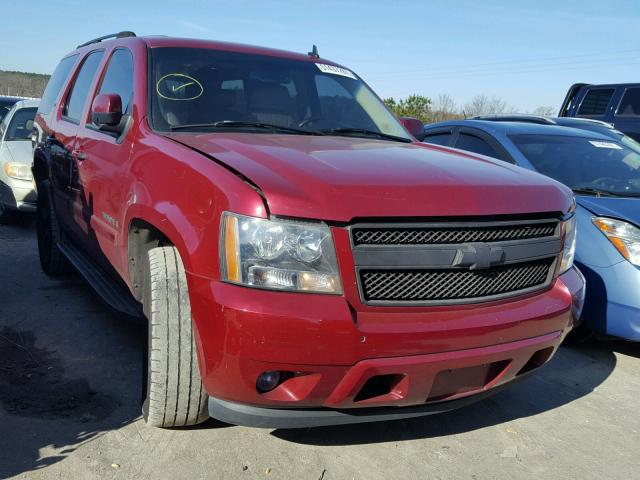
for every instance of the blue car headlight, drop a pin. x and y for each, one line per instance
(569, 249)
(623, 235)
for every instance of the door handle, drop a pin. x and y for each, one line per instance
(79, 155)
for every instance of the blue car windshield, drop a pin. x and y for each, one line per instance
(607, 166)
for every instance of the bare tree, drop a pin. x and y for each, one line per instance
(483, 105)
(545, 111)
(443, 108)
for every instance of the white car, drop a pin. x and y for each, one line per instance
(17, 193)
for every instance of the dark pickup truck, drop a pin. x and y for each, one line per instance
(618, 104)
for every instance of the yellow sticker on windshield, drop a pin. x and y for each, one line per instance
(178, 86)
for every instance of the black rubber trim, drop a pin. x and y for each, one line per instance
(448, 256)
(261, 417)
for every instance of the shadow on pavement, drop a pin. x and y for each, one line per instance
(69, 371)
(573, 373)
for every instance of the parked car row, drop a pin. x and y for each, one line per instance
(299, 258)
(602, 167)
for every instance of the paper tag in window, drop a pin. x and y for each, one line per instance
(605, 145)
(335, 70)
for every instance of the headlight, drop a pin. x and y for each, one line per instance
(623, 235)
(278, 254)
(18, 171)
(569, 249)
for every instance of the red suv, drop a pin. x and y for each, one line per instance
(299, 257)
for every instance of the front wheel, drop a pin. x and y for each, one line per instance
(175, 395)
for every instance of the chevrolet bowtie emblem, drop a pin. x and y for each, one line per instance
(479, 256)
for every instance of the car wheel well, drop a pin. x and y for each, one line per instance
(142, 237)
(39, 169)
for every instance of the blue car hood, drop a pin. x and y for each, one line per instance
(622, 208)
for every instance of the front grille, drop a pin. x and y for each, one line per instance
(448, 235)
(431, 285)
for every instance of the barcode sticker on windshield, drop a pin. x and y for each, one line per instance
(605, 145)
(335, 70)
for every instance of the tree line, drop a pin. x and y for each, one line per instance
(22, 84)
(443, 107)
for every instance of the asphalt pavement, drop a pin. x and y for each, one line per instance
(70, 380)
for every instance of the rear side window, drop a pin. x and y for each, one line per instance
(630, 103)
(59, 77)
(595, 102)
(119, 78)
(438, 138)
(475, 144)
(80, 90)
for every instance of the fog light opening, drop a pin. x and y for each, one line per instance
(267, 381)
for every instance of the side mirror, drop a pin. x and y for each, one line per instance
(414, 126)
(106, 111)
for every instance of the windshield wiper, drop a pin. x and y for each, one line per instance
(365, 132)
(597, 192)
(243, 123)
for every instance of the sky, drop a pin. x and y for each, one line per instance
(525, 52)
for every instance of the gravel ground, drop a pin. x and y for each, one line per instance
(70, 386)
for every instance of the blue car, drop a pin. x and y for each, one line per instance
(602, 166)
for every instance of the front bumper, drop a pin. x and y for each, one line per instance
(613, 301)
(331, 347)
(422, 385)
(261, 417)
(19, 195)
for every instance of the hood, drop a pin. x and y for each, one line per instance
(19, 151)
(343, 178)
(622, 208)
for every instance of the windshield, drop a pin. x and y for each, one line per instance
(21, 125)
(5, 106)
(605, 166)
(192, 89)
(3, 111)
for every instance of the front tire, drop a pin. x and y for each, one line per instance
(175, 395)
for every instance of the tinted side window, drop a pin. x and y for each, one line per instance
(595, 102)
(475, 144)
(630, 103)
(60, 75)
(438, 138)
(119, 78)
(80, 90)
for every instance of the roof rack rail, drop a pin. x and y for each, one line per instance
(522, 117)
(123, 34)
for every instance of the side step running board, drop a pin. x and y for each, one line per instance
(112, 291)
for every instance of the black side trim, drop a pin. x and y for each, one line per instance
(261, 417)
(114, 293)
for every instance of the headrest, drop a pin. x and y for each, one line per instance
(224, 98)
(269, 97)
